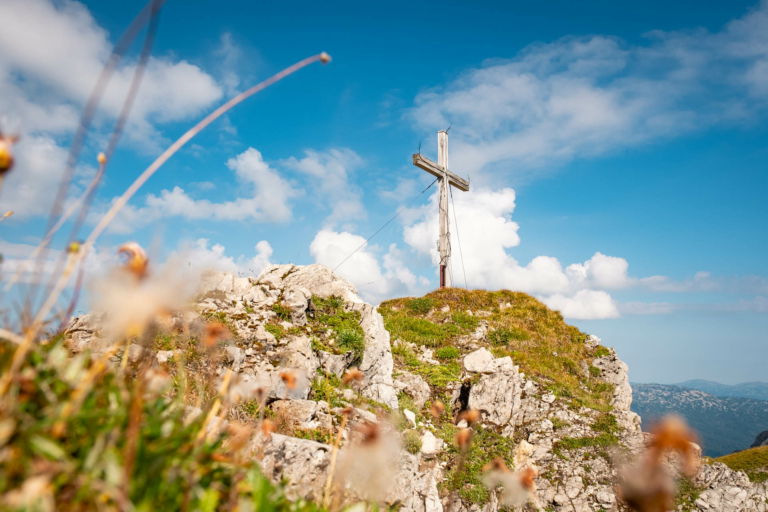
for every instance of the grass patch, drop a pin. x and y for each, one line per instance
(447, 353)
(754, 462)
(465, 321)
(421, 306)
(487, 444)
(318, 435)
(283, 312)
(412, 442)
(527, 331)
(606, 422)
(275, 330)
(504, 336)
(686, 495)
(603, 440)
(330, 314)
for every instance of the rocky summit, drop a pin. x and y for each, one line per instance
(546, 395)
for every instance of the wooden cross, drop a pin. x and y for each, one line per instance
(445, 178)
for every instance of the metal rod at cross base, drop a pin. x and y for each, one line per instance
(446, 179)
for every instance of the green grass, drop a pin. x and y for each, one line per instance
(275, 330)
(119, 445)
(527, 331)
(283, 311)
(487, 444)
(412, 442)
(447, 353)
(603, 440)
(754, 462)
(421, 306)
(330, 314)
(686, 495)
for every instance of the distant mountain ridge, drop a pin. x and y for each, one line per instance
(756, 390)
(725, 424)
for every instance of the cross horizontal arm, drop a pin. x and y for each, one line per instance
(435, 170)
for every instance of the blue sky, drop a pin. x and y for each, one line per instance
(616, 151)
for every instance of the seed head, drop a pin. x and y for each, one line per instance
(496, 464)
(325, 58)
(7, 214)
(470, 415)
(353, 374)
(672, 434)
(370, 432)
(289, 378)
(137, 259)
(74, 247)
(526, 477)
(6, 153)
(215, 332)
(102, 158)
(464, 438)
(348, 411)
(437, 409)
(267, 427)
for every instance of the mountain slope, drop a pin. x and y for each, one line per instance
(756, 390)
(725, 424)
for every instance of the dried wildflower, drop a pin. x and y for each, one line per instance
(370, 432)
(215, 332)
(238, 437)
(7, 214)
(369, 466)
(672, 434)
(352, 375)
(101, 158)
(463, 438)
(267, 427)
(325, 58)
(496, 464)
(74, 247)
(517, 487)
(437, 409)
(6, 153)
(289, 378)
(648, 486)
(348, 411)
(469, 415)
(137, 259)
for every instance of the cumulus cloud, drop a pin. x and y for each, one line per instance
(584, 96)
(51, 54)
(330, 172)
(269, 200)
(373, 282)
(199, 256)
(486, 231)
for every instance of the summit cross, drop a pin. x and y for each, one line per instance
(445, 178)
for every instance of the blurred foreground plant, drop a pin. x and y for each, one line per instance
(77, 434)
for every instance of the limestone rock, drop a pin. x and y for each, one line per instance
(430, 445)
(301, 463)
(377, 362)
(497, 395)
(413, 386)
(335, 364)
(317, 279)
(477, 360)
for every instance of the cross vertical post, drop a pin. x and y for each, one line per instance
(444, 242)
(445, 179)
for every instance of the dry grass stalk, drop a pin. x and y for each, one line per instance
(346, 413)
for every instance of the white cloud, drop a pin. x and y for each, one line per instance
(584, 96)
(269, 200)
(584, 305)
(200, 257)
(331, 172)
(363, 269)
(51, 54)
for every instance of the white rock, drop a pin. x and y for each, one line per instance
(477, 360)
(410, 416)
(414, 386)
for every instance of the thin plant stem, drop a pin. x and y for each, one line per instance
(123, 200)
(332, 467)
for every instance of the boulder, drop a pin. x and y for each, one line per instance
(413, 386)
(335, 364)
(497, 395)
(477, 360)
(301, 463)
(377, 362)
